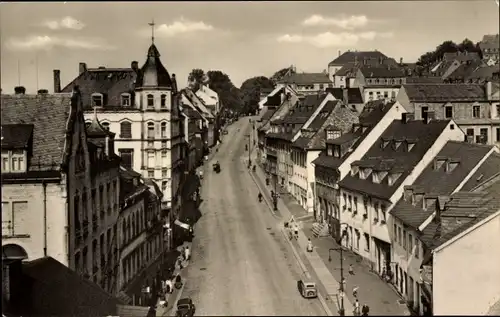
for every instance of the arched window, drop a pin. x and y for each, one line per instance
(163, 102)
(151, 101)
(163, 130)
(126, 130)
(151, 130)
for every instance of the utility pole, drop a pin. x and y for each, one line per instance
(341, 286)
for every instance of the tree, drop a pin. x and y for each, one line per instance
(229, 95)
(196, 78)
(250, 92)
(430, 58)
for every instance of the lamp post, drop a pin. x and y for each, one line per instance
(342, 292)
(249, 150)
(275, 198)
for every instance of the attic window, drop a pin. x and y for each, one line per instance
(329, 151)
(393, 177)
(163, 101)
(410, 146)
(354, 170)
(125, 100)
(450, 166)
(97, 100)
(397, 144)
(385, 143)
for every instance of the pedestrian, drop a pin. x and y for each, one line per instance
(365, 310)
(296, 231)
(309, 245)
(355, 291)
(187, 253)
(170, 286)
(351, 269)
(356, 308)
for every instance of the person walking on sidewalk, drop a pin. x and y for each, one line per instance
(351, 269)
(187, 253)
(169, 286)
(356, 308)
(296, 230)
(309, 245)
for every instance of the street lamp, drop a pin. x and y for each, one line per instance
(275, 198)
(342, 292)
(249, 151)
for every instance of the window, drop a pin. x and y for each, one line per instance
(336, 151)
(151, 101)
(164, 185)
(127, 157)
(151, 159)
(17, 161)
(424, 111)
(105, 125)
(164, 159)
(386, 94)
(404, 239)
(395, 233)
(367, 242)
(410, 242)
(151, 130)
(448, 112)
(97, 100)
(498, 110)
(126, 100)
(483, 132)
(163, 101)
(20, 215)
(417, 248)
(151, 174)
(355, 206)
(400, 238)
(470, 132)
(356, 242)
(88, 123)
(476, 111)
(164, 173)
(163, 129)
(126, 130)
(321, 86)
(383, 212)
(498, 134)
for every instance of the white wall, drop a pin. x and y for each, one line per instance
(29, 231)
(378, 92)
(310, 178)
(466, 273)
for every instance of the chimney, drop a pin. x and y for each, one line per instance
(339, 52)
(428, 116)
(489, 96)
(356, 60)
(57, 81)
(135, 66)
(345, 96)
(364, 61)
(174, 83)
(42, 91)
(406, 117)
(82, 67)
(19, 90)
(401, 61)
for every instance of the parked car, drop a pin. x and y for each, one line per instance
(185, 307)
(307, 288)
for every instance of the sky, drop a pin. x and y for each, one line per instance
(242, 39)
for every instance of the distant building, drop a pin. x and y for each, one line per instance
(475, 108)
(307, 83)
(210, 98)
(490, 47)
(351, 97)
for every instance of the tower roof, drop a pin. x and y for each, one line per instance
(153, 73)
(96, 130)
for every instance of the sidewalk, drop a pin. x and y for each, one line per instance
(374, 292)
(171, 299)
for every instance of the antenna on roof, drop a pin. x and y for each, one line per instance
(152, 25)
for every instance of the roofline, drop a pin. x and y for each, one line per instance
(474, 170)
(467, 231)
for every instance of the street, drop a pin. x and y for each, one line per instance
(241, 264)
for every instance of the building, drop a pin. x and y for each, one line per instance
(468, 224)
(459, 166)
(278, 107)
(193, 134)
(140, 105)
(475, 108)
(352, 58)
(381, 82)
(189, 98)
(446, 65)
(462, 73)
(210, 99)
(275, 97)
(45, 287)
(142, 241)
(376, 181)
(490, 47)
(352, 97)
(342, 149)
(60, 185)
(307, 83)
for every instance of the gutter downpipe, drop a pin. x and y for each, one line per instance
(44, 184)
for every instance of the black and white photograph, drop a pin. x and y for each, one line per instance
(250, 158)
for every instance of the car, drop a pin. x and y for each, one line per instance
(307, 288)
(185, 307)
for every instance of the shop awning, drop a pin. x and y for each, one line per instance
(182, 224)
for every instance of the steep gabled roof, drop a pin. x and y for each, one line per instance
(49, 115)
(351, 57)
(354, 95)
(306, 78)
(384, 156)
(382, 72)
(445, 92)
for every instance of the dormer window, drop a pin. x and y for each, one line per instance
(97, 100)
(163, 101)
(438, 162)
(364, 173)
(397, 144)
(451, 165)
(354, 170)
(410, 145)
(125, 100)
(151, 101)
(329, 151)
(336, 151)
(376, 178)
(14, 161)
(385, 143)
(393, 177)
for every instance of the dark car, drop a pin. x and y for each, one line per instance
(307, 288)
(185, 307)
